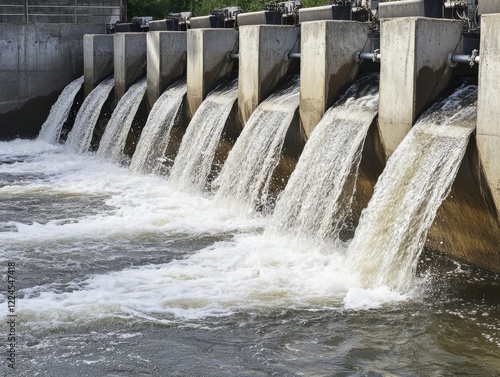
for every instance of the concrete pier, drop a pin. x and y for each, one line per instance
(129, 60)
(207, 62)
(98, 54)
(263, 63)
(488, 109)
(166, 60)
(328, 64)
(413, 71)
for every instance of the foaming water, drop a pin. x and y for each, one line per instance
(115, 136)
(155, 135)
(197, 151)
(319, 193)
(418, 177)
(80, 136)
(244, 180)
(51, 128)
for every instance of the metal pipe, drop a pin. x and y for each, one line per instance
(374, 56)
(294, 55)
(454, 59)
(233, 56)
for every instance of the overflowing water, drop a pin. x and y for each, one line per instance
(80, 136)
(318, 195)
(197, 151)
(418, 177)
(156, 133)
(51, 128)
(115, 136)
(244, 180)
(125, 275)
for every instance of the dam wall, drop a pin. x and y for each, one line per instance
(36, 62)
(415, 71)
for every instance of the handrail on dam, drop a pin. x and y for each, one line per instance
(454, 59)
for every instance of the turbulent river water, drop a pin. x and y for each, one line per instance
(120, 274)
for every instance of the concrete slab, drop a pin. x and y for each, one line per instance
(328, 64)
(98, 52)
(166, 60)
(129, 60)
(263, 63)
(207, 62)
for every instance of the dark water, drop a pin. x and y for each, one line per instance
(121, 275)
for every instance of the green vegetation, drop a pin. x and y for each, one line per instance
(160, 8)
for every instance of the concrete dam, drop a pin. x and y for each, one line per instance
(389, 127)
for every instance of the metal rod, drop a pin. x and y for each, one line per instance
(473, 58)
(374, 56)
(233, 56)
(294, 55)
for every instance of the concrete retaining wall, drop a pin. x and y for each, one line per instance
(207, 62)
(413, 71)
(129, 60)
(36, 62)
(488, 110)
(98, 52)
(166, 60)
(327, 64)
(263, 63)
(62, 11)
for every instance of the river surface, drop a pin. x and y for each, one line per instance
(122, 275)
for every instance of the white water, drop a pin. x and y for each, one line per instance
(418, 177)
(197, 151)
(244, 180)
(115, 136)
(319, 194)
(51, 128)
(155, 135)
(239, 270)
(80, 136)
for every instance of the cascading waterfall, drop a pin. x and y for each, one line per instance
(51, 128)
(115, 136)
(244, 180)
(418, 177)
(196, 153)
(155, 135)
(81, 135)
(319, 194)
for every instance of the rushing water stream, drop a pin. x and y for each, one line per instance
(120, 274)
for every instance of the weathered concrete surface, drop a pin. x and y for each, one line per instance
(62, 11)
(410, 8)
(166, 60)
(263, 63)
(260, 18)
(207, 62)
(488, 108)
(467, 226)
(488, 6)
(36, 62)
(328, 64)
(129, 60)
(328, 12)
(98, 54)
(413, 71)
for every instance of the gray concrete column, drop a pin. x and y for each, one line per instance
(488, 109)
(327, 64)
(263, 63)
(207, 62)
(166, 60)
(129, 60)
(413, 71)
(97, 59)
